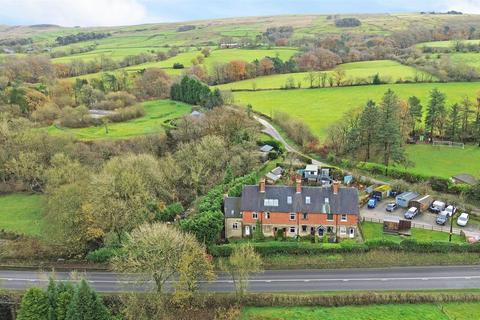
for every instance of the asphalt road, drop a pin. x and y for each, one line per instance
(409, 278)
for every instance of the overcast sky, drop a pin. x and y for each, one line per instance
(127, 12)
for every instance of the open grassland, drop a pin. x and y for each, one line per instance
(471, 58)
(320, 108)
(157, 115)
(114, 53)
(444, 161)
(389, 71)
(21, 213)
(374, 231)
(445, 311)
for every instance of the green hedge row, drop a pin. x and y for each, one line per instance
(306, 248)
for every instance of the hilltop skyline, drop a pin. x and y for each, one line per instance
(128, 12)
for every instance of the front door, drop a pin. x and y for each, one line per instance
(321, 231)
(247, 230)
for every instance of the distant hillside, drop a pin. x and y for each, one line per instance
(203, 32)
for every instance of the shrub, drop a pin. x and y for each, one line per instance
(102, 255)
(178, 65)
(170, 212)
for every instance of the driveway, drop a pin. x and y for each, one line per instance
(425, 220)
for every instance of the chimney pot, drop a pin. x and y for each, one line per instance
(335, 187)
(262, 185)
(298, 185)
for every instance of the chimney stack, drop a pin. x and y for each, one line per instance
(335, 187)
(298, 185)
(262, 185)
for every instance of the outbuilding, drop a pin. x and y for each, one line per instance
(404, 199)
(421, 203)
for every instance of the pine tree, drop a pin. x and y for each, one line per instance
(389, 135)
(465, 112)
(65, 297)
(52, 294)
(34, 305)
(453, 122)
(436, 109)
(368, 126)
(86, 305)
(415, 111)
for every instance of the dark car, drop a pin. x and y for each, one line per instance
(442, 218)
(391, 207)
(411, 213)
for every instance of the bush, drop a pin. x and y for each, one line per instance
(102, 255)
(170, 212)
(178, 65)
(347, 22)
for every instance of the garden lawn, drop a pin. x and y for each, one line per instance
(320, 108)
(444, 161)
(158, 114)
(374, 231)
(21, 213)
(389, 71)
(447, 311)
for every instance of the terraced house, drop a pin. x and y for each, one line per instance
(297, 210)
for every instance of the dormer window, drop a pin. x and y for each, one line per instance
(289, 199)
(307, 200)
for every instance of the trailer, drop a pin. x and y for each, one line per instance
(421, 203)
(404, 199)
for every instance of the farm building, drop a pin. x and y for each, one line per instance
(404, 199)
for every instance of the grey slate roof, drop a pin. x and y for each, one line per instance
(345, 202)
(232, 207)
(266, 148)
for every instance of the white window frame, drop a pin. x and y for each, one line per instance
(270, 202)
(255, 215)
(307, 200)
(235, 226)
(344, 218)
(343, 230)
(330, 214)
(305, 216)
(292, 228)
(294, 215)
(267, 215)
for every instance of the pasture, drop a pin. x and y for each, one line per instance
(444, 44)
(320, 108)
(21, 213)
(444, 311)
(217, 56)
(388, 70)
(158, 114)
(444, 161)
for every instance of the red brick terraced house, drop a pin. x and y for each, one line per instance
(298, 210)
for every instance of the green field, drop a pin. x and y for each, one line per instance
(374, 231)
(444, 161)
(320, 108)
(114, 53)
(217, 56)
(21, 213)
(445, 311)
(470, 58)
(388, 70)
(445, 44)
(157, 114)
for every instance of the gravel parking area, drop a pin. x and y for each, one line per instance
(424, 220)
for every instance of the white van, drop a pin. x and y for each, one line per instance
(437, 206)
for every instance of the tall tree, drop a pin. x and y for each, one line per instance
(436, 109)
(415, 111)
(389, 135)
(453, 122)
(86, 305)
(368, 126)
(465, 113)
(242, 262)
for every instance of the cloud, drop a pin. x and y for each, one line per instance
(74, 12)
(466, 6)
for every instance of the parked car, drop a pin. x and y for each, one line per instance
(392, 207)
(437, 206)
(372, 203)
(442, 218)
(462, 219)
(411, 213)
(450, 210)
